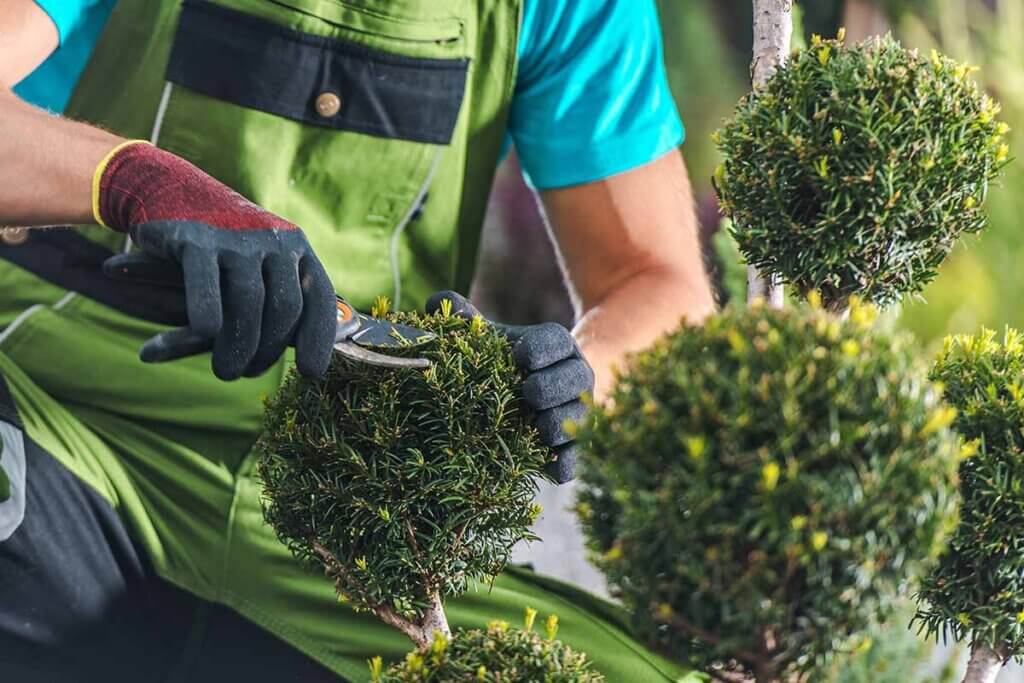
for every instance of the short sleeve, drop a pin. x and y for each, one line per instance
(79, 23)
(592, 98)
(67, 15)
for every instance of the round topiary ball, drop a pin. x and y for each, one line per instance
(976, 594)
(856, 169)
(498, 654)
(404, 484)
(766, 483)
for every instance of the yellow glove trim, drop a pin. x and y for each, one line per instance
(97, 176)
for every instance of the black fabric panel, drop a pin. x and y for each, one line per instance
(80, 604)
(75, 601)
(66, 258)
(258, 64)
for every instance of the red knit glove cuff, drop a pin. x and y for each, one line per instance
(138, 183)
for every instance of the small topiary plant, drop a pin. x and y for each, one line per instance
(498, 654)
(404, 485)
(976, 594)
(765, 484)
(855, 170)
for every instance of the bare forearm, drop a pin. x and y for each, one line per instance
(632, 317)
(633, 258)
(46, 165)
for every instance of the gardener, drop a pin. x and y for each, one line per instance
(131, 541)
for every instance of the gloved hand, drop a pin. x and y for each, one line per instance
(557, 376)
(252, 282)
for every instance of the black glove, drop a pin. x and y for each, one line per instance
(557, 376)
(249, 294)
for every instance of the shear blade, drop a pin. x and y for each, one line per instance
(381, 333)
(355, 352)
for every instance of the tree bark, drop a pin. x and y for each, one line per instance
(773, 32)
(984, 665)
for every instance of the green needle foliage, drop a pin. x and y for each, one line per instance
(498, 654)
(766, 483)
(405, 484)
(856, 169)
(977, 592)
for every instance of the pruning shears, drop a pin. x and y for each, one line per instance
(358, 334)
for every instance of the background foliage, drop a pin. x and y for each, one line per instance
(803, 466)
(977, 592)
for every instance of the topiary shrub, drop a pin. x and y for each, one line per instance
(498, 654)
(976, 594)
(765, 484)
(856, 169)
(403, 485)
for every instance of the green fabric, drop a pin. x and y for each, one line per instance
(169, 445)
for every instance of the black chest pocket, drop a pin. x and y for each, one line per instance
(324, 112)
(316, 80)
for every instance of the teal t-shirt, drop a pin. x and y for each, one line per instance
(591, 99)
(79, 24)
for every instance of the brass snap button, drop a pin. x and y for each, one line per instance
(14, 236)
(328, 104)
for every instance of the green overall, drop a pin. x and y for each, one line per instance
(376, 126)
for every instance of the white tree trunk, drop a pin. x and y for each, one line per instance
(984, 665)
(773, 32)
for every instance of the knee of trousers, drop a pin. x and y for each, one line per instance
(76, 597)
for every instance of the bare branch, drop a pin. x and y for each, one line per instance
(748, 657)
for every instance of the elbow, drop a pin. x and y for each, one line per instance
(682, 288)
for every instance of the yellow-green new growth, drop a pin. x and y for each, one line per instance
(497, 654)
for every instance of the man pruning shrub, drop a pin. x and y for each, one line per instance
(252, 159)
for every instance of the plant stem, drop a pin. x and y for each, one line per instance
(420, 631)
(773, 32)
(434, 621)
(984, 665)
